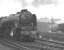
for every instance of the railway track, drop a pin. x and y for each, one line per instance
(55, 44)
(40, 44)
(24, 45)
(13, 45)
(52, 41)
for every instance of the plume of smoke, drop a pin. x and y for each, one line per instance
(37, 3)
(43, 2)
(24, 4)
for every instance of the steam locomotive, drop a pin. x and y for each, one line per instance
(22, 26)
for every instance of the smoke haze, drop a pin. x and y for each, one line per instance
(42, 8)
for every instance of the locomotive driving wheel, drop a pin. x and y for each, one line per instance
(17, 34)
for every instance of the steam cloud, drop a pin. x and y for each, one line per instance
(42, 8)
(37, 3)
(43, 2)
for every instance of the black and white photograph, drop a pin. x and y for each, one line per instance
(31, 24)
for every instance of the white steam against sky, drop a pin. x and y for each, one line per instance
(55, 10)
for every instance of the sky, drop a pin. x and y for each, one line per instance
(42, 8)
